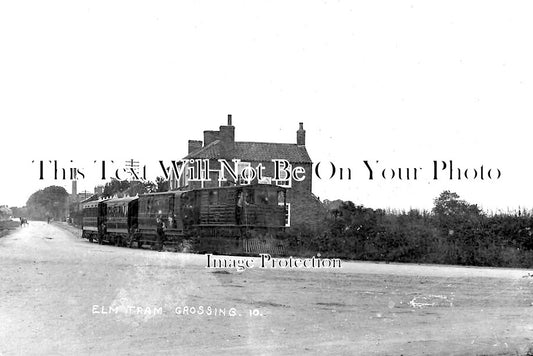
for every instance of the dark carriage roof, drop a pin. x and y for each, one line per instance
(121, 201)
(93, 203)
(169, 192)
(254, 151)
(243, 186)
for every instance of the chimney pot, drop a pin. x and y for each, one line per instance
(300, 135)
(229, 120)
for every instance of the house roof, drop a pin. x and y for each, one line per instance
(253, 151)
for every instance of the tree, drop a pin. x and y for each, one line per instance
(450, 210)
(138, 188)
(48, 202)
(128, 188)
(461, 227)
(163, 185)
(18, 212)
(115, 187)
(5, 213)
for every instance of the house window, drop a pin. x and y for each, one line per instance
(241, 177)
(284, 180)
(284, 183)
(265, 180)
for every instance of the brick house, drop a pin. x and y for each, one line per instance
(304, 207)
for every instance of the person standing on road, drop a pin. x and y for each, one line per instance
(239, 206)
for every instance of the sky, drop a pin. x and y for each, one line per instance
(404, 83)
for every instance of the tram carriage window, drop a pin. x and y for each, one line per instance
(262, 196)
(272, 197)
(281, 197)
(222, 196)
(187, 201)
(212, 197)
(249, 196)
(148, 205)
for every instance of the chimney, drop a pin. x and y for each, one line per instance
(210, 136)
(300, 135)
(227, 136)
(194, 145)
(74, 187)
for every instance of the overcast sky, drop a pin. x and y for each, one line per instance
(401, 82)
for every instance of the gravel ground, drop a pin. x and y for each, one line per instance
(62, 295)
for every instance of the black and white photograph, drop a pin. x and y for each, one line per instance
(266, 178)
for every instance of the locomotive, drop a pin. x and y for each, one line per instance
(241, 219)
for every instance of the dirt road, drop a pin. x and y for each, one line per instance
(63, 295)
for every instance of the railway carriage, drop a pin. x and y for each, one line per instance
(165, 206)
(240, 219)
(234, 219)
(93, 221)
(120, 220)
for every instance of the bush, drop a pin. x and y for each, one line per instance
(454, 233)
